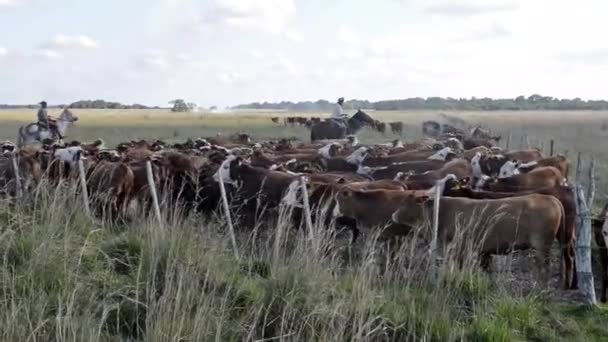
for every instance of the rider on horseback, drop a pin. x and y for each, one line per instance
(45, 122)
(338, 115)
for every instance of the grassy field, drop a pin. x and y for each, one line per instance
(64, 277)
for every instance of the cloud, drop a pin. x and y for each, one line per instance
(266, 15)
(595, 56)
(454, 8)
(294, 36)
(255, 53)
(495, 31)
(80, 41)
(348, 35)
(9, 4)
(3, 51)
(49, 54)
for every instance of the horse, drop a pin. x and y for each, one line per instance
(32, 133)
(329, 129)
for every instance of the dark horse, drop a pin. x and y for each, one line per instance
(329, 129)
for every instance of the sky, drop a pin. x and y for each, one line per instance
(227, 52)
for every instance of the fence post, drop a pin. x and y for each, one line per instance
(551, 146)
(433, 247)
(508, 141)
(309, 225)
(527, 142)
(591, 189)
(583, 247)
(227, 210)
(152, 187)
(18, 186)
(83, 186)
(577, 176)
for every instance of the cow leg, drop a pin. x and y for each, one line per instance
(574, 279)
(566, 265)
(485, 261)
(350, 223)
(543, 261)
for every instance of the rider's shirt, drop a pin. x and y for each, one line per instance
(338, 112)
(43, 116)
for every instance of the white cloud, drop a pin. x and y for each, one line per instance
(255, 53)
(49, 54)
(348, 35)
(5, 4)
(3, 51)
(80, 41)
(295, 36)
(467, 8)
(265, 15)
(183, 57)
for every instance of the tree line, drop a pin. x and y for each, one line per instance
(533, 102)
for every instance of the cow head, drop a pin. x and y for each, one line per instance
(69, 154)
(330, 150)
(483, 183)
(510, 168)
(476, 165)
(228, 170)
(358, 156)
(413, 211)
(444, 154)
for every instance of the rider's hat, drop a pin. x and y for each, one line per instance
(341, 99)
(42, 103)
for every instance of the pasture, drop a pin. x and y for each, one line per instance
(64, 276)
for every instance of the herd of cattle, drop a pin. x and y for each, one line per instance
(396, 127)
(503, 200)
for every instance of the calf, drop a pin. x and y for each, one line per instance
(494, 226)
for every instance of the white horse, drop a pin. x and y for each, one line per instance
(32, 133)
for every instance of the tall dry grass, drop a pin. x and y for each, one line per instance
(66, 277)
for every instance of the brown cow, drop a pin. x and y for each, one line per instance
(370, 208)
(396, 127)
(494, 226)
(565, 237)
(444, 154)
(111, 187)
(460, 168)
(543, 177)
(30, 173)
(275, 119)
(559, 162)
(391, 171)
(525, 156)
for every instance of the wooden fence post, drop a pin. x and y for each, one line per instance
(508, 141)
(591, 189)
(227, 211)
(309, 225)
(83, 186)
(433, 247)
(153, 192)
(18, 185)
(577, 176)
(551, 147)
(583, 247)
